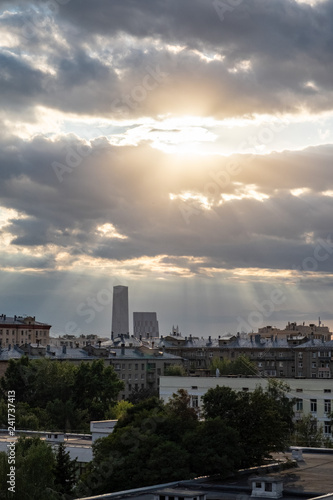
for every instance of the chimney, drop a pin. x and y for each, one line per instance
(152, 344)
(209, 338)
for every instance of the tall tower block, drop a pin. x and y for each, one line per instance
(120, 324)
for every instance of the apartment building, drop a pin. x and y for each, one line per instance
(18, 330)
(283, 357)
(138, 367)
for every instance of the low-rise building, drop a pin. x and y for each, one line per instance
(23, 329)
(138, 367)
(312, 396)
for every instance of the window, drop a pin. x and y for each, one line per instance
(281, 364)
(130, 366)
(142, 366)
(299, 405)
(327, 427)
(136, 376)
(327, 405)
(194, 401)
(327, 390)
(314, 354)
(117, 366)
(130, 376)
(142, 376)
(258, 485)
(300, 355)
(136, 366)
(313, 405)
(268, 487)
(300, 364)
(129, 387)
(123, 366)
(314, 365)
(123, 376)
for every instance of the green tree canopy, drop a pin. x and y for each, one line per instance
(59, 395)
(263, 419)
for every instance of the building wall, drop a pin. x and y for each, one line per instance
(120, 324)
(20, 330)
(145, 323)
(314, 396)
(141, 373)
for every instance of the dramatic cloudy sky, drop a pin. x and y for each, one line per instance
(180, 147)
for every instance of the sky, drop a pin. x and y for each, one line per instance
(182, 148)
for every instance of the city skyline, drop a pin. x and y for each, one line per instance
(181, 149)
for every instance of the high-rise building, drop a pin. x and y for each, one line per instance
(120, 325)
(145, 324)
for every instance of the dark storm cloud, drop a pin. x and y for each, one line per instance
(101, 52)
(131, 191)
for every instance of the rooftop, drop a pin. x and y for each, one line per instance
(309, 479)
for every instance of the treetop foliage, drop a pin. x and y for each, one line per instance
(60, 396)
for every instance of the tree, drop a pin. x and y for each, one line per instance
(263, 419)
(35, 463)
(118, 410)
(213, 448)
(307, 432)
(59, 395)
(175, 371)
(180, 406)
(138, 395)
(240, 366)
(222, 402)
(97, 386)
(64, 471)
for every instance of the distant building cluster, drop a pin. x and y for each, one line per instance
(297, 352)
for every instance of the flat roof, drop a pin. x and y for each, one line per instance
(309, 479)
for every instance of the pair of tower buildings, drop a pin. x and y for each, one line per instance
(145, 324)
